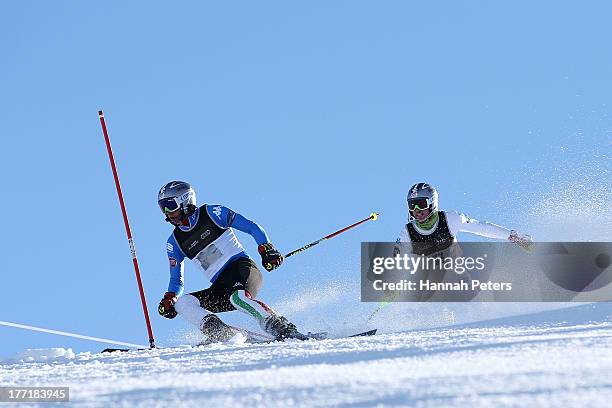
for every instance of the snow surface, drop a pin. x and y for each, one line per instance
(552, 358)
(43, 355)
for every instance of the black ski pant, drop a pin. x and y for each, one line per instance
(240, 274)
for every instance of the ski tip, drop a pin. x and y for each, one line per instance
(100, 114)
(112, 350)
(365, 333)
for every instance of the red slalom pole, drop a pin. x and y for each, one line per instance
(127, 229)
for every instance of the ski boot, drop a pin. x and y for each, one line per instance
(215, 330)
(282, 329)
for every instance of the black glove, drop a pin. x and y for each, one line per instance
(166, 306)
(270, 257)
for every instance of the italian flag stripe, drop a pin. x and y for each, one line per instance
(245, 306)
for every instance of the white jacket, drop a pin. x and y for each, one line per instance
(457, 222)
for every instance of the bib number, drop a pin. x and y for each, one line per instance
(209, 256)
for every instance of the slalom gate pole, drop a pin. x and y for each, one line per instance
(127, 229)
(373, 217)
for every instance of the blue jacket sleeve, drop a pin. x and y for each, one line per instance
(175, 257)
(226, 218)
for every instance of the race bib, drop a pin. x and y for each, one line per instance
(208, 256)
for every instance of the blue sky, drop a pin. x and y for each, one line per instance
(303, 117)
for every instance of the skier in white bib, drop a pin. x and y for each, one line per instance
(206, 236)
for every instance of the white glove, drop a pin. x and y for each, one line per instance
(524, 241)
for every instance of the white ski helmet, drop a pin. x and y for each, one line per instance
(422, 196)
(177, 195)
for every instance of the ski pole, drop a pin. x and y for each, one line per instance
(373, 217)
(387, 300)
(127, 229)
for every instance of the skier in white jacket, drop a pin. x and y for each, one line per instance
(430, 231)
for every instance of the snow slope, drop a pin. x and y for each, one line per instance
(553, 358)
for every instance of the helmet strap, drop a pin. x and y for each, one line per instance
(190, 210)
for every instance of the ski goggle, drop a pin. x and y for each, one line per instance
(419, 202)
(169, 204)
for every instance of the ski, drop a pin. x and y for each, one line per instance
(365, 333)
(261, 338)
(258, 338)
(112, 350)
(253, 336)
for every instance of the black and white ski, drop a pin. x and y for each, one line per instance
(365, 333)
